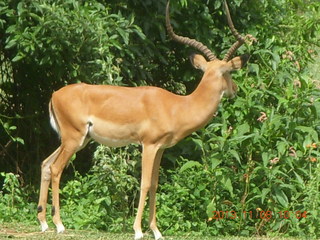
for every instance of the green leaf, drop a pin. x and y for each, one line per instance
(265, 158)
(242, 138)
(12, 43)
(311, 131)
(215, 162)
(139, 32)
(20, 8)
(20, 140)
(217, 4)
(17, 58)
(298, 177)
(188, 165)
(210, 208)
(282, 147)
(227, 184)
(235, 154)
(242, 129)
(12, 128)
(198, 142)
(124, 35)
(281, 197)
(238, 2)
(264, 193)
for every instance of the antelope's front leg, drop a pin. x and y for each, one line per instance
(152, 196)
(149, 153)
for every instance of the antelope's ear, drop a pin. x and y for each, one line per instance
(237, 62)
(199, 62)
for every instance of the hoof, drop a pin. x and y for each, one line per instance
(157, 235)
(44, 226)
(138, 235)
(60, 228)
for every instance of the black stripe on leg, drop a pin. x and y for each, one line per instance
(39, 209)
(53, 211)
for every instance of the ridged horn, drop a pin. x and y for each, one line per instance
(185, 40)
(240, 39)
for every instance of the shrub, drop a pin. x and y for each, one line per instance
(15, 201)
(104, 198)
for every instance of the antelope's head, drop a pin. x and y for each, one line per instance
(214, 68)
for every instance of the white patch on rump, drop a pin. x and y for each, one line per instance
(53, 123)
(221, 96)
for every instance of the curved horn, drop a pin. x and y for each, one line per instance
(185, 40)
(240, 39)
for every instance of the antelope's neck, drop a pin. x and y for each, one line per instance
(207, 96)
(200, 106)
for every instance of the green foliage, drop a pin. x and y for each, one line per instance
(14, 200)
(182, 201)
(104, 198)
(78, 40)
(9, 129)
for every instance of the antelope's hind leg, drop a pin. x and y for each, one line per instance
(44, 187)
(66, 152)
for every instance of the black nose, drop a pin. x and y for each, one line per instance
(244, 59)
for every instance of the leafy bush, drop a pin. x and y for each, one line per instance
(15, 200)
(78, 40)
(104, 198)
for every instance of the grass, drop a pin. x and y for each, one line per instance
(22, 231)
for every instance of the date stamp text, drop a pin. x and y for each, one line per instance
(258, 214)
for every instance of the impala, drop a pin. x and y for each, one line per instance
(151, 116)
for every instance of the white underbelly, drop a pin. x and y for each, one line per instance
(110, 134)
(111, 142)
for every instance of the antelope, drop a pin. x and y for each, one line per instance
(150, 116)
